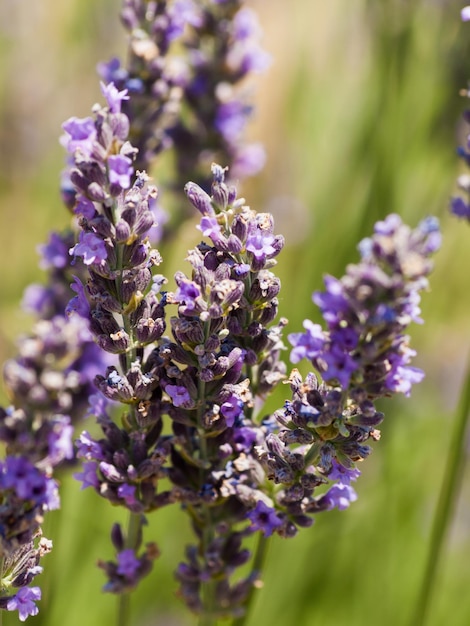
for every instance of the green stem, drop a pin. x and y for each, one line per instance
(132, 540)
(446, 503)
(258, 562)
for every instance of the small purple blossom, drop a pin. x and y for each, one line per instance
(85, 208)
(248, 160)
(79, 303)
(26, 480)
(210, 227)
(465, 14)
(60, 440)
(332, 302)
(113, 96)
(231, 409)
(401, 378)
(231, 119)
(98, 405)
(343, 474)
(128, 563)
(308, 345)
(80, 135)
(460, 208)
(24, 602)
(244, 438)
(88, 477)
(179, 395)
(339, 496)
(120, 171)
(187, 293)
(339, 365)
(127, 493)
(260, 244)
(54, 253)
(38, 299)
(88, 448)
(91, 247)
(264, 519)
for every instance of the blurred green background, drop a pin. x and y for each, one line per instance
(360, 117)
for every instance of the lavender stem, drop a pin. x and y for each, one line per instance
(258, 563)
(446, 503)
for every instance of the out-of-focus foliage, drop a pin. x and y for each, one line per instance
(359, 114)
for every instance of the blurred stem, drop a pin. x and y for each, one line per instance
(132, 541)
(258, 563)
(446, 503)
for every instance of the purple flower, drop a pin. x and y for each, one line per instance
(231, 409)
(343, 474)
(80, 135)
(183, 12)
(465, 14)
(85, 208)
(120, 171)
(113, 97)
(459, 207)
(88, 476)
(38, 299)
(245, 24)
(91, 248)
(402, 378)
(210, 227)
(88, 448)
(79, 303)
(60, 440)
(339, 496)
(264, 518)
(248, 160)
(332, 302)
(27, 481)
(98, 405)
(54, 253)
(187, 293)
(128, 564)
(308, 345)
(244, 438)
(23, 602)
(231, 119)
(260, 244)
(340, 365)
(179, 395)
(127, 493)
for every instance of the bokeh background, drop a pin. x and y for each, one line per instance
(360, 115)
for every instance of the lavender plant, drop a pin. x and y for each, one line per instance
(192, 429)
(184, 374)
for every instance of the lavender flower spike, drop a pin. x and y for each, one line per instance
(362, 355)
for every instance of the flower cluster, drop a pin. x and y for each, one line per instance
(35, 443)
(363, 355)
(187, 63)
(208, 379)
